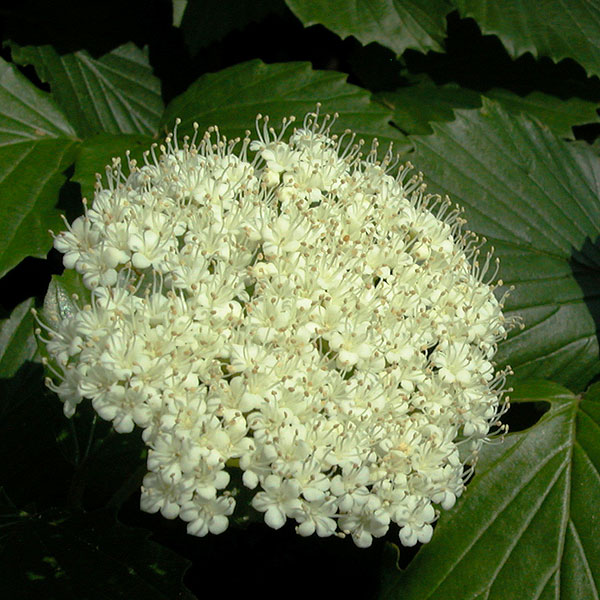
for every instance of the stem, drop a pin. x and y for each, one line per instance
(90, 438)
(75, 441)
(77, 487)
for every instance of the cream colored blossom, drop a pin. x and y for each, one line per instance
(296, 309)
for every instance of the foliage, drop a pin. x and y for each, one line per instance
(535, 198)
(536, 485)
(513, 145)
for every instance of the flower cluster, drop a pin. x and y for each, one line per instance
(290, 309)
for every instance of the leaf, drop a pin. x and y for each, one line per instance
(527, 527)
(417, 105)
(28, 114)
(97, 153)
(37, 470)
(397, 24)
(36, 145)
(59, 555)
(116, 93)
(63, 293)
(178, 11)
(560, 115)
(19, 376)
(232, 98)
(207, 21)
(17, 343)
(554, 28)
(535, 197)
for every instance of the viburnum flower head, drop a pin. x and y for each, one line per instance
(292, 308)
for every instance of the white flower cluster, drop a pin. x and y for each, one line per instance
(302, 315)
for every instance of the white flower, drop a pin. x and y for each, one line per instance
(77, 242)
(304, 314)
(279, 500)
(207, 515)
(415, 516)
(165, 496)
(366, 520)
(317, 516)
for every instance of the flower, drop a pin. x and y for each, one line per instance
(293, 309)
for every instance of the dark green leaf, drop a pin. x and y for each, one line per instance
(20, 378)
(417, 105)
(179, 7)
(397, 24)
(28, 114)
(96, 153)
(553, 28)
(59, 555)
(36, 145)
(116, 93)
(232, 98)
(33, 469)
(535, 197)
(559, 115)
(527, 527)
(17, 343)
(30, 179)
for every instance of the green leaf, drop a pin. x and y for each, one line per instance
(97, 153)
(28, 114)
(178, 11)
(417, 105)
(535, 197)
(554, 28)
(397, 24)
(37, 471)
(20, 378)
(527, 526)
(207, 21)
(60, 555)
(36, 146)
(63, 293)
(233, 97)
(17, 343)
(560, 115)
(116, 93)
